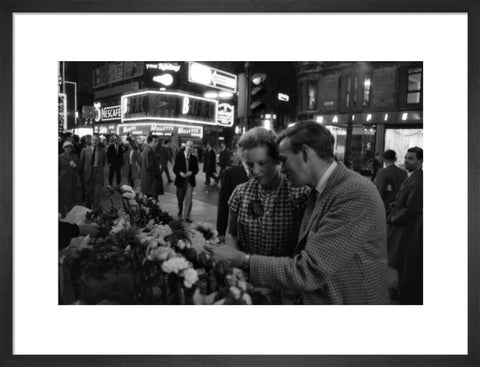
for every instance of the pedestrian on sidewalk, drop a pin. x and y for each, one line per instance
(210, 164)
(185, 169)
(165, 157)
(151, 182)
(93, 160)
(115, 160)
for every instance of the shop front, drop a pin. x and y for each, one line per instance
(372, 133)
(175, 115)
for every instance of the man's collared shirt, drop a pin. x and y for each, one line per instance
(323, 180)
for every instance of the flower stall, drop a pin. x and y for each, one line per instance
(142, 255)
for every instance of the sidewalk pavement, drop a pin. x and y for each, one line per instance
(201, 211)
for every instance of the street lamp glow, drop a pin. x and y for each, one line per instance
(211, 94)
(267, 124)
(225, 95)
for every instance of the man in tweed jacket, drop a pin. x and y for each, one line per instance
(340, 256)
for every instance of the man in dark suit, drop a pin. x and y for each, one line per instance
(165, 157)
(115, 160)
(406, 211)
(92, 162)
(224, 158)
(210, 164)
(151, 178)
(389, 179)
(185, 169)
(230, 178)
(340, 256)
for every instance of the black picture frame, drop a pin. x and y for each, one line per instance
(8, 7)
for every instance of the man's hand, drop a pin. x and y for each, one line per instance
(235, 257)
(88, 229)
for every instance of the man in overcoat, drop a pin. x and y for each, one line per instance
(406, 212)
(210, 164)
(389, 179)
(340, 256)
(92, 163)
(151, 183)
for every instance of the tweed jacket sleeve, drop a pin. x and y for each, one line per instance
(343, 256)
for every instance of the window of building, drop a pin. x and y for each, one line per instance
(367, 81)
(312, 95)
(401, 139)
(349, 88)
(414, 88)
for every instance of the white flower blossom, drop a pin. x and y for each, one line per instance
(128, 195)
(190, 277)
(175, 265)
(246, 297)
(127, 188)
(162, 231)
(181, 244)
(159, 253)
(123, 223)
(235, 292)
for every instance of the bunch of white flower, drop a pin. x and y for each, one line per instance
(190, 277)
(122, 223)
(176, 265)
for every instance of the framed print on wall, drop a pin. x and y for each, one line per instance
(443, 331)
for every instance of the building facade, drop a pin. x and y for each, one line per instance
(368, 106)
(175, 100)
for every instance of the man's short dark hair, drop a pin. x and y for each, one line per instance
(418, 152)
(150, 138)
(260, 137)
(390, 155)
(310, 133)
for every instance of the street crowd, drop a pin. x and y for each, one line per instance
(297, 221)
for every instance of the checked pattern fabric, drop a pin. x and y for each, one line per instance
(341, 258)
(274, 232)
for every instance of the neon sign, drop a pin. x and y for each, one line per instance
(164, 66)
(225, 114)
(168, 106)
(107, 113)
(206, 75)
(161, 129)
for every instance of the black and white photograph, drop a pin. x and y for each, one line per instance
(240, 183)
(225, 185)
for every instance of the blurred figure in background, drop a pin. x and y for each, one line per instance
(224, 158)
(165, 157)
(68, 178)
(133, 162)
(210, 164)
(150, 177)
(92, 163)
(229, 180)
(115, 160)
(389, 179)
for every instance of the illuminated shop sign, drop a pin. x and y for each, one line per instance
(163, 66)
(206, 75)
(105, 129)
(225, 114)
(62, 111)
(161, 129)
(168, 106)
(107, 113)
